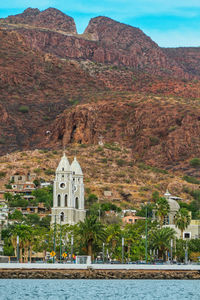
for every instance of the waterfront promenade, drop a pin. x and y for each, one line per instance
(57, 266)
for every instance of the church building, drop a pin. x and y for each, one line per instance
(68, 193)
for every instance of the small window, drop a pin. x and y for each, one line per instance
(58, 200)
(73, 173)
(62, 185)
(186, 235)
(66, 200)
(62, 169)
(62, 216)
(63, 176)
(76, 203)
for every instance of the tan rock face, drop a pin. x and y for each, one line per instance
(159, 133)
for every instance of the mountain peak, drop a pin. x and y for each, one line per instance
(50, 18)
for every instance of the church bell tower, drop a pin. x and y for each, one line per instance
(68, 193)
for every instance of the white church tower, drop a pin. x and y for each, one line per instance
(68, 193)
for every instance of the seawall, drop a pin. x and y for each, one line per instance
(92, 273)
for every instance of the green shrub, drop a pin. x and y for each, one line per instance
(23, 109)
(112, 147)
(154, 140)
(2, 174)
(195, 162)
(104, 160)
(37, 171)
(172, 128)
(49, 172)
(120, 162)
(191, 179)
(8, 186)
(2, 140)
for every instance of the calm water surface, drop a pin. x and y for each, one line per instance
(22, 289)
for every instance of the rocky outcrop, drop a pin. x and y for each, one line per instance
(158, 132)
(50, 18)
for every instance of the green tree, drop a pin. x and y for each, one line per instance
(159, 239)
(182, 220)
(113, 236)
(92, 198)
(33, 219)
(162, 209)
(16, 215)
(44, 195)
(91, 232)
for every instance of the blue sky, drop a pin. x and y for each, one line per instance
(170, 23)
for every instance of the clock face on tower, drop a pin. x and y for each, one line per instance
(62, 185)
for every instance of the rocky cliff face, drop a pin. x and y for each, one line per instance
(188, 57)
(50, 18)
(131, 47)
(104, 41)
(160, 133)
(48, 68)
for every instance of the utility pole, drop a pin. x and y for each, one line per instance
(123, 250)
(54, 239)
(146, 235)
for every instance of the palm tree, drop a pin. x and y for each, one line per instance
(182, 220)
(24, 232)
(162, 207)
(160, 240)
(113, 235)
(91, 231)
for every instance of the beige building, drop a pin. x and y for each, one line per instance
(68, 193)
(192, 231)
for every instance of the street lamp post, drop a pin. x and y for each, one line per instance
(171, 248)
(60, 239)
(72, 243)
(146, 244)
(186, 253)
(103, 251)
(123, 250)
(18, 249)
(54, 239)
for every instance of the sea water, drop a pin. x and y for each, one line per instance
(58, 289)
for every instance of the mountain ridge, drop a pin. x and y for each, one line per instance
(50, 71)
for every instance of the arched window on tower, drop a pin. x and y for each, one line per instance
(58, 200)
(66, 200)
(62, 216)
(76, 203)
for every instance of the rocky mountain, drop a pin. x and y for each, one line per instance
(128, 89)
(160, 132)
(187, 57)
(104, 41)
(50, 18)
